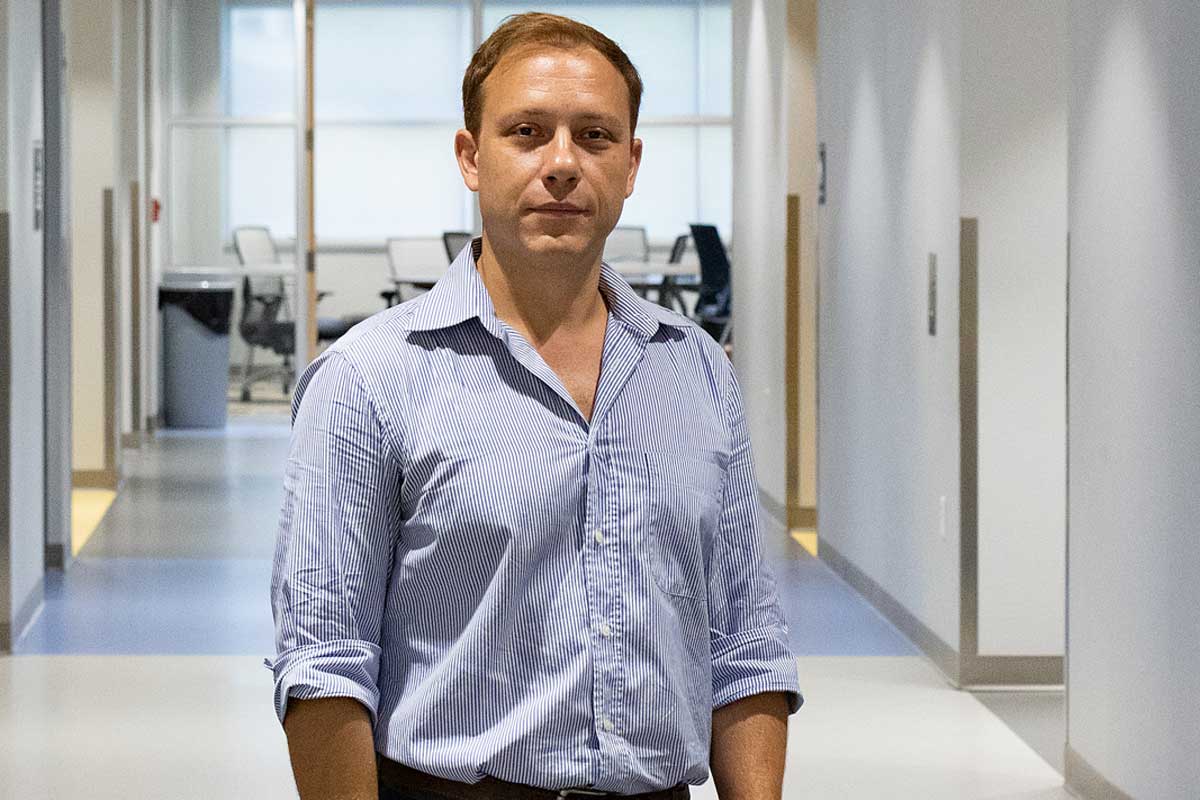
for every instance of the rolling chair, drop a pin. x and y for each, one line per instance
(679, 248)
(412, 251)
(266, 323)
(673, 294)
(266, 319)
(713, 304)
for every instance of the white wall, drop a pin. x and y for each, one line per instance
(21, 116)
(1134, 431)
(89, 34)
(888, 110)
(760, 170)
(1014, 181)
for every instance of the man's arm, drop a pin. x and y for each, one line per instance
(332, 749)
(753, 670)
(749, 746)
(333, 555)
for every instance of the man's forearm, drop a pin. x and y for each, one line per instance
(332, 749)
(749, 748)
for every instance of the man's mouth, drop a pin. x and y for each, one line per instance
(559, 210)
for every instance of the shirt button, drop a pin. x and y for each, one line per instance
(599, 537)
(608, 726)
(605, 630)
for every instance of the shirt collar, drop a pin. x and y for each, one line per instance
(460, 295)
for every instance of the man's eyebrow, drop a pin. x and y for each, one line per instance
(535, 113)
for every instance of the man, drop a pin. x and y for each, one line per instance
(519, 554)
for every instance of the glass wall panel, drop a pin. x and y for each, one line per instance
(716, 59)
(391, 60)
(380, 181)
(388, 88)
(262, 61)
(194, 30)
(223, 177)
(715, 196)
(195, 207)
(659, 37)
(664, 197)
(261, 176)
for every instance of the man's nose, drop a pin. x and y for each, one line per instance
(562, 167)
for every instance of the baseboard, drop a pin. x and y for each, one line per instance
(943, 656)
(975, 671)
(25, 616)
(1084, 780)
(773, 507)
(776, 516)
(95, 479)
(805, 517)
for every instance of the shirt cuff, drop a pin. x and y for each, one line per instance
(754, 663)
(341, 668)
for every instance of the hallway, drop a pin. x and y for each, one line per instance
(143, 676)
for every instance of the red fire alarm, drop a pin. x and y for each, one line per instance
(155, 209)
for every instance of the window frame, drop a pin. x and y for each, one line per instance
(174, 120)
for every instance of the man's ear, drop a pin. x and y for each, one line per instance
(635, 161)
(467, 152)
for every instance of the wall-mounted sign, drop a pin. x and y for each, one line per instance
(39, 184)
(933, 294)
(821, 184)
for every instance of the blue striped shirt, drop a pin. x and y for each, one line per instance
(507, 588)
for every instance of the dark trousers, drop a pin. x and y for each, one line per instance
(386, 793)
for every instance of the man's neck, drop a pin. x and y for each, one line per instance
(542, 299)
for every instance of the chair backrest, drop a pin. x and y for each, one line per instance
(410, 251)
(679, 248)
(714, 265)
(455, 241)
(254, 245)
(263, 308)
(627, 243)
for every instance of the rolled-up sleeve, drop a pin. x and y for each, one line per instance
(335, 541)
(750, 652)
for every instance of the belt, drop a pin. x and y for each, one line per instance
(397, 776)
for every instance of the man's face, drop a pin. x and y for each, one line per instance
(554, 159)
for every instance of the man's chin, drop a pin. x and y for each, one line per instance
(565, 244)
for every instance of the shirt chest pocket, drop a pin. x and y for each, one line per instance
(684, 504)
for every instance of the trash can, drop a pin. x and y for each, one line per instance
(195, 350)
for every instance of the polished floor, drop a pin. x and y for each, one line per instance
(142, 676)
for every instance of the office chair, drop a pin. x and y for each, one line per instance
(420, 251)
(681, 283)
(265, 323)
(266, 315)
(679, 248)
(713, 304)
(455, 241)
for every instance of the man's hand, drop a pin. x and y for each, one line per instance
(332, 749)
(749, 747)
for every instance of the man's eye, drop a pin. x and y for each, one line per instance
(525, 130)
(595, 135)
